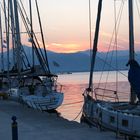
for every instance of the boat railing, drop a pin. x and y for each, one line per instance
(110, 95)
(106, 94)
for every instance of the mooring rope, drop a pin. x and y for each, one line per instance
(72, 103)
(78, 114)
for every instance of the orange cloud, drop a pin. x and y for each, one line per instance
(65, 47)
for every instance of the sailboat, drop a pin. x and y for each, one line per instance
(28, 73)
(122, 117)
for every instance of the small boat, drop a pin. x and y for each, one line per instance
(102, 106)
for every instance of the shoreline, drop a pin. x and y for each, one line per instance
(71, 72)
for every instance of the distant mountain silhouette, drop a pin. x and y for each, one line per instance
(80, 61)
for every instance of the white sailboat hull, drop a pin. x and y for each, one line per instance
(102, 114)
(126, 123)
(49, 102)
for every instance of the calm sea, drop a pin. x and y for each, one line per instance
(75, 84)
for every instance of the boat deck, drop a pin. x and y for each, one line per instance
(128, 108)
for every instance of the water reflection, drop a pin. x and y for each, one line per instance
(74, 86)
(73, 101)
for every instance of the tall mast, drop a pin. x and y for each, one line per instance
(95, 44)
(1, 39)
(131, 42)
(42, 36)
(12, 29)
(5, 15)
(7, 38)
(17, 39)
(131, 31)
(31, 32)
(7, 34)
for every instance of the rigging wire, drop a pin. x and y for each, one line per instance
(115, 31)
(13, 36)
(137, 5)
(28, 31)
(42, 35)
(139, 1)
(38, 50)
(24, 56)
(23, 19)
(31, 30)
(37, 46)
(1, 39)
(5, 21)
(108, 64)
(3, 7)
(118, 19)
(114, 47)
(90, 45)
(8, 39)
(116, 42)
(95, 43)
(13, 32)
(26, 22)
(138, 8)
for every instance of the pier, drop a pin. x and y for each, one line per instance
(37, 125)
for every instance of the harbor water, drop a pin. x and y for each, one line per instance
(75, 84)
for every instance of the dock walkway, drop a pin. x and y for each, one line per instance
(36, 125)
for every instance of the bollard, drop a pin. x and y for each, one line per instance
(14, 129)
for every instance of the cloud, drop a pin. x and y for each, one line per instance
(65, 47)
(56, 44)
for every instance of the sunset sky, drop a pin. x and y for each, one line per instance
(66, 24)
